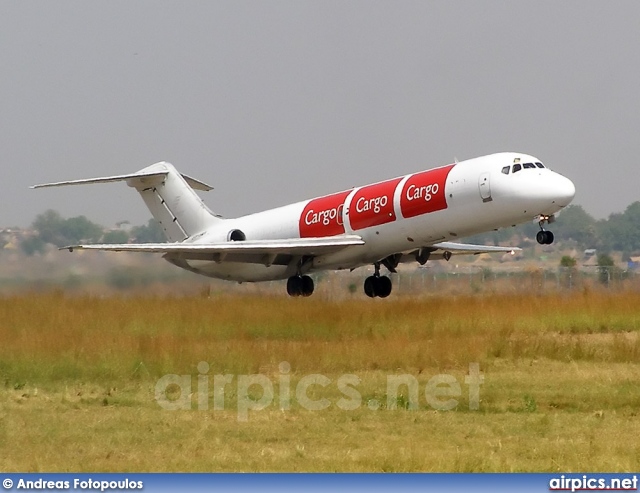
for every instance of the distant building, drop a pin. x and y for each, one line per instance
(590, 258)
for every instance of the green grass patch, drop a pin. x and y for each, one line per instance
(560, 391)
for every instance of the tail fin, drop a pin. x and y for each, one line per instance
(169, 196)
(173, 203)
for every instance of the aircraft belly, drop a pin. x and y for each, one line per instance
(387, 239)
(237, 271)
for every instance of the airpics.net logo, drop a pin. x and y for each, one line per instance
(256, 392)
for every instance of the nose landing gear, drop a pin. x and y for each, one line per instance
(377, 285)
(544, 237)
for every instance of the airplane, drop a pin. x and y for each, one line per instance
(411, 218)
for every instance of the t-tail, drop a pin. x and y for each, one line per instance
(168, 194)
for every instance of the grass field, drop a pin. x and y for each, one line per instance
(561, 389)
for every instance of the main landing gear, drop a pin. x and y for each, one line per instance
(300, 286)
(544, 237)
(377, 285)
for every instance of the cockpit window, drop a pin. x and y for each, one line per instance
(520, 166)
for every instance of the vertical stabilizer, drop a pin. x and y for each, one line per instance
(173, 203)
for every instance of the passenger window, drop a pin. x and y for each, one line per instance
(516, 168)
(529, 166)
(540, 165)
(506, 169)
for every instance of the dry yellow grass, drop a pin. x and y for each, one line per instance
(560, 391)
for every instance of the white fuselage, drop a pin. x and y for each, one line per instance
(400, 215)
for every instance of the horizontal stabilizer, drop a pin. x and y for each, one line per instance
(293, 246)
(141, 178)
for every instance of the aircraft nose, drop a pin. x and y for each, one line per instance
(550, 193)
(564, 190)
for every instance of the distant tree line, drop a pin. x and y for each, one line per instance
(51, 228)
(573, 227)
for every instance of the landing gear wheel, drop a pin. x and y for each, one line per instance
(307, 286)
(369, 286)
(544, 237)
(300, 286)
(383, 286)
(377, 286)
(294, 286)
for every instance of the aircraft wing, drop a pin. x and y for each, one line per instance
(468, 249)
(446, 249)
(241, 251)
(282, 251)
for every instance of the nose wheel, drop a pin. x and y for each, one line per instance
(377, 285)
(543, 236)
(300, 286)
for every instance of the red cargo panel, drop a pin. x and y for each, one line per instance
(323, 216)
(424, 192)
(373, 205)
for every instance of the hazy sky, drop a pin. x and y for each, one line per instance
(274, 102)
